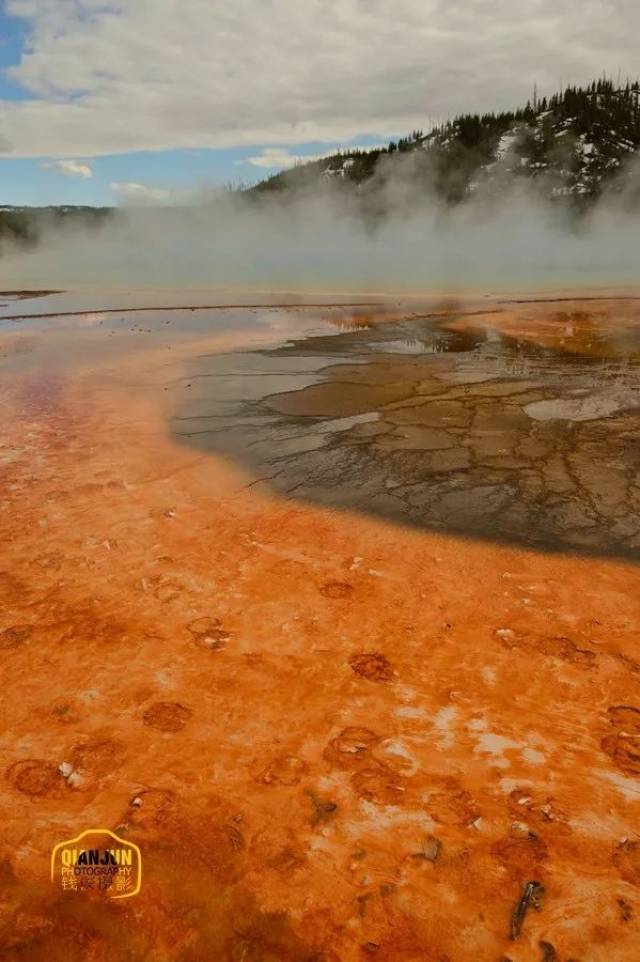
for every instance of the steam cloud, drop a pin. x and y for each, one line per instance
(391, 238)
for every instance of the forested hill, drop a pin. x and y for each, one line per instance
(574, 143)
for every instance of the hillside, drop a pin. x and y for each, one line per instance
(574, 144)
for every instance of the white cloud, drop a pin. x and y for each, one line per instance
(109, 76)
(70, 168)
(140, 194)
(280, 158)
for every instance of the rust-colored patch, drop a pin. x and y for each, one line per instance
(14, 637)
(521, 856)
(453, 806)
(626, 859)
(626, 910)
(554, 646)
(537, 808)
(34, 777)
(372, 665)
(281, 770)
(167, 589)
(623, 745)
(336, 589)
(279, 848)
(97, 755)
(167, 716)
(351, 748)
(208, 633)
(151, 809)
(323, 809)
(381, 785)
(235, 837)
(624, 750)
(625, 718)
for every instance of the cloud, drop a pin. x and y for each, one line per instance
(281, 158)
(140, 194)
(124, 75)
(70, 168)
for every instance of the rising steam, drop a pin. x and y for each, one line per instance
(389, 236)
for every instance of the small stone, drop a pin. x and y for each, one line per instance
(75, 780)
(136, 802)
(505, 633)
(65, 769)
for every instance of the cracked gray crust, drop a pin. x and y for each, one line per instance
(469, 432)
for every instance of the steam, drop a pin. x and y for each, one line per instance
(388, 236)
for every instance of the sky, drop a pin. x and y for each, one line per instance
(154, 101)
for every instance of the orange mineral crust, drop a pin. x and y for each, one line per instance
(333, 737)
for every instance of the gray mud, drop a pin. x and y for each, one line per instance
(446, 426)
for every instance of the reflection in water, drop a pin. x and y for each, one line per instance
(442, 425)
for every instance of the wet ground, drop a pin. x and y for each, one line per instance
(357, 709)
(445, 422)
